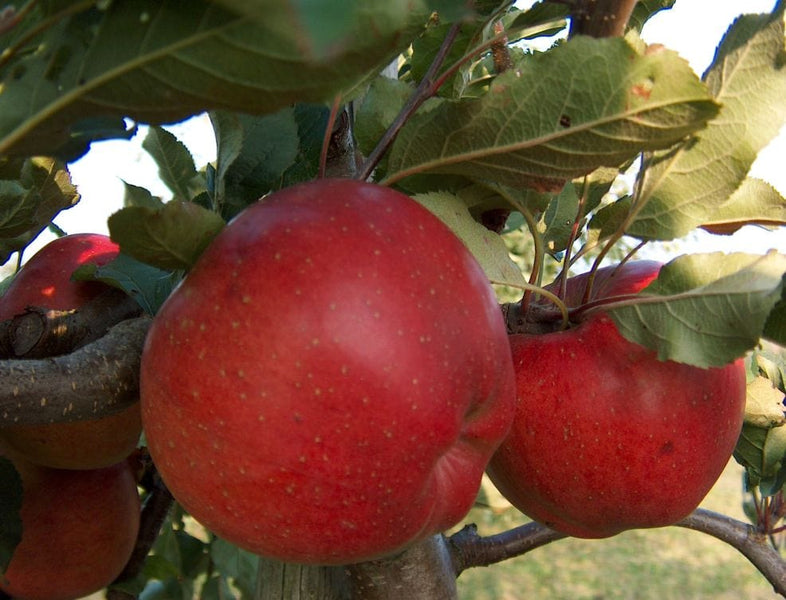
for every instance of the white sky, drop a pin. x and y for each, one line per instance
(692, 27)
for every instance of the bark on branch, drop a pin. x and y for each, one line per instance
(97, 380)
(40, 333)
(468, 549)
(600, 18)
(752, 544)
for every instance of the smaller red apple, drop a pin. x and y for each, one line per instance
(45, 282)
(78, 531)
(607, 437)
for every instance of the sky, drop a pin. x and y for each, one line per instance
(693, 28)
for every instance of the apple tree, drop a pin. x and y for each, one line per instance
(295, 376)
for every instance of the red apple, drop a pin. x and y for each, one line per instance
(78, 531)
(330, 380)
(607, 437)
(45, 282)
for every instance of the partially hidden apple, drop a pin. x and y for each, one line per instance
(78, 531)
(329, 381)
(607, 437)
(45, 282)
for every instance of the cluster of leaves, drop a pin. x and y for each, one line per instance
(473, 121)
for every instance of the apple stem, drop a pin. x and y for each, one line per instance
(537, 241)
(574, 233)
(323, 154)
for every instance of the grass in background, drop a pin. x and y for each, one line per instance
(671, 563)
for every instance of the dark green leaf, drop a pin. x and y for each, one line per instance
(10, 505)
(140, 196)
(29, 202)
(170, 238)
(253, 153)
(775, 327)
(646, 9)
(542, 19)
(237, 564)
(175, 164)
(162, 61)
(146, 284)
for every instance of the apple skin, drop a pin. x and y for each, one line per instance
(78, 531)
(45, 282)
(329, 381)
(607, 437)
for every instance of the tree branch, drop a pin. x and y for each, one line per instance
(423, 571)
(39, 332)
(600, 18)
(468, 549)
(97, 380)
(746, 539)
(154, 512)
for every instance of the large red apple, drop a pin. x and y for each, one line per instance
(328, 383)
(78, 531)
(45, 282)
(607, 437)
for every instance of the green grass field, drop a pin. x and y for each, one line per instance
(664, 564)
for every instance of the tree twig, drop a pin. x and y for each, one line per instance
(746, 539)
(97, 380)
(154, 512)
(468, 549)
(425, 90)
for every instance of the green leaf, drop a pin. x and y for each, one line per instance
(557, 222)
(763, 454)
(162, 61)
(146, 284)
(585, 104)
(772, 366)
(704, 310)
(175, 164)
(237, 564)
(608, 220)
(253, 153)
(690, 186)
(775, 327)
(139, 196)
(170, 238)
(487, 247)
(10, 505)
(41, 189)
(755, 202)
(764, 405)
(645, 10)
(261, 154)
(376, 110)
